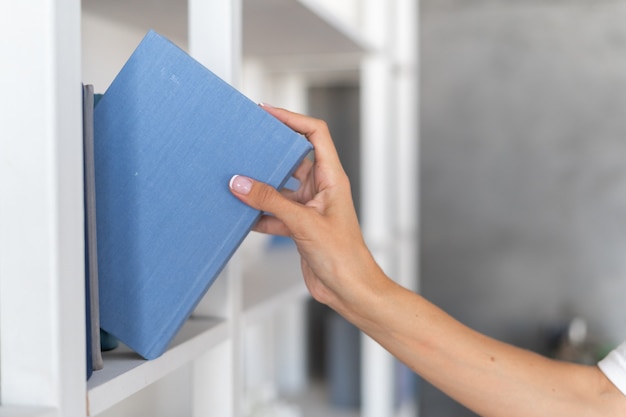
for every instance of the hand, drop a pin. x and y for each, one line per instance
(319, 216)
(488, 376)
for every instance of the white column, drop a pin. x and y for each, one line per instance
(213, 382)
(254, 81)
(406, 134)
(215, 36)
(215, 41)
(406, 157)
(377, 387)
(291, 348)
(42, 310)
(290, 91)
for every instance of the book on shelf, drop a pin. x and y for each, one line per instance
(169, 134)
(94, 355)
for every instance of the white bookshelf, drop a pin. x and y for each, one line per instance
(126, 373)
(270, 282)
(17, 411)
(53, 46)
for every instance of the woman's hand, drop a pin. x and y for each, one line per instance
(319, 216)
(490, 377)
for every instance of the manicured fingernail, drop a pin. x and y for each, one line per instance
(269, 106)
(240, 184)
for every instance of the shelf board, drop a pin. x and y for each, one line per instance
(168, 17)
(314, 401)
(125, 372)
(282, 30)
(293, 27)
(19, 411)
(272, 281)
(301, 36)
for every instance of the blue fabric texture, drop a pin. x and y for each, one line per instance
(169, 134)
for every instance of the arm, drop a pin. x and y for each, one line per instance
(489, 377)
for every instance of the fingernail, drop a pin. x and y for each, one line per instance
(240, 184)
(269, 106)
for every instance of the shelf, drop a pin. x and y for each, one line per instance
(286, 34)
(125, 373)
(291, 44)
(168, 17)
(314, 401)
(300, 36)
(271, 282)
(296, 27)
(16, 411)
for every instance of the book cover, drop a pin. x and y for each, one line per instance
(169, 134)
(92, 328)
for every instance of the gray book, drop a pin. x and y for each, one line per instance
(94, 354)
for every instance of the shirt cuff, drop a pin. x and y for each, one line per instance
(614, 367)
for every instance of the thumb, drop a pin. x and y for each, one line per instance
(262, 197)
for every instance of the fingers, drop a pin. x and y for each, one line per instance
(272, 226)
(315, 130)
(303, 170)
(266, 198)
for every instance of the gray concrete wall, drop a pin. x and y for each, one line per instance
(523, 165)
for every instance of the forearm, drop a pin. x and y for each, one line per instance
(490, 377)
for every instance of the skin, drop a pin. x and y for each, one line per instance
(487, 376)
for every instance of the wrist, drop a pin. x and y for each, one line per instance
(360, 297)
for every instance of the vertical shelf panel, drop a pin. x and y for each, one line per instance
(214, 34)
(406, 132)
(42, 311)
(377, 386)
(406, 155)
(378, 193)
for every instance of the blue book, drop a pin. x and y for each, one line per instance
(169, 135)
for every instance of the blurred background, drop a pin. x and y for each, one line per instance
(523, 170)
(520, 176)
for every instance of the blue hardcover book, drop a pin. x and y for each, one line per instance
(169, 134)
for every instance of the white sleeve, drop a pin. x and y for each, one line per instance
(614, 367)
